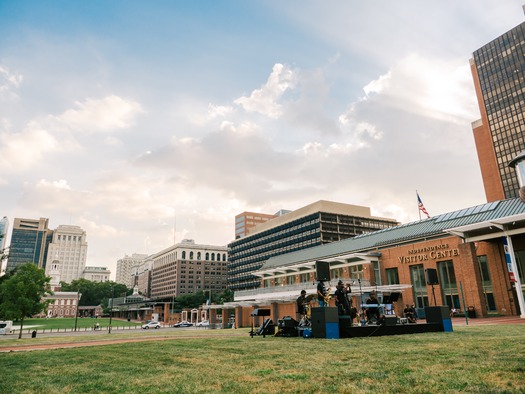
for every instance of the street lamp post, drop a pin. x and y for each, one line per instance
(76, 314)
(111, 309)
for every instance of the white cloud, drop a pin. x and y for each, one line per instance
(61, 184)
(431, 87)
(265, 99)
(20, 151)
(215, 111)
(8, 81)
(109, 114)
(378, 85)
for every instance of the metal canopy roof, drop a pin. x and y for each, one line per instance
(346, 260)
(491, 229)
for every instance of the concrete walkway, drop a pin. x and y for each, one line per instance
(461, 321)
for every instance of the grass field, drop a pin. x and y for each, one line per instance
(482, 359)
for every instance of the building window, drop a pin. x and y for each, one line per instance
(207, 256)
(356, 271)
(486, 282)
(304, 278)
(449, 287)
(183, 255)
(417, 277)
(392, 276)
(191, 255)
(336, 273)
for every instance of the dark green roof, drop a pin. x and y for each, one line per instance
(433, 227)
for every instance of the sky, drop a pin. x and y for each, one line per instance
(149, 122)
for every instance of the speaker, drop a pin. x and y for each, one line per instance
(322, 271)
(323, 320)
(390, 320)
(394, 297)
(260, 312)
(431, 276)
(288, 322)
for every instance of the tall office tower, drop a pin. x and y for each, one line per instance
(313, 225)
(498, 70)
(247, 220)
(29, 241)
(4, 226)
(69, 248)
(127, 269)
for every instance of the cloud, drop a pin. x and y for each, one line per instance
(215, 111)
(20, 151)
(8, 81)
(265, 99)
(430, 87)
(109, 114)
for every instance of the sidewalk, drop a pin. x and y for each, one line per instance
(478, 321)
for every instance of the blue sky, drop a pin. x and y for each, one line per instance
(149, 122)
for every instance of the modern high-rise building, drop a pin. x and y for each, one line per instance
(4, 227)
(498, 70)
(127, 269)
(313, 225)
(29, 241)
(69, 248)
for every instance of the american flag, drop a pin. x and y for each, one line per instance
(421, 206)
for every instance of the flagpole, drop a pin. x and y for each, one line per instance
(418, 209)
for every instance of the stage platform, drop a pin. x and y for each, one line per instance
(346, 331)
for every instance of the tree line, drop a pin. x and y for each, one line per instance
(22, 293)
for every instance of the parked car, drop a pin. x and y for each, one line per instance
(151, 324)
(204, 323)
(183, 324)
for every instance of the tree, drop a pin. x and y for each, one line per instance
(22, 294)
(96, 293)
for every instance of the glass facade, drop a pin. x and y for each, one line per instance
(29, 246)
(501, 70)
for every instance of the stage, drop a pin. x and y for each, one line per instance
(346, 331)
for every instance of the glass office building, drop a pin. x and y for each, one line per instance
(498, 69)
(316, 224)
(29, 242)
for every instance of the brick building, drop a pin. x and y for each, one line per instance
(478, 254)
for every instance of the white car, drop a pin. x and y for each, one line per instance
(204, 323)
(151, 324)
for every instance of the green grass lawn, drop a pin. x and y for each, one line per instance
(478, 359)
(68, 324)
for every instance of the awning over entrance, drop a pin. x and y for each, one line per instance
(503, 228)
(342, 261)
(490, 229)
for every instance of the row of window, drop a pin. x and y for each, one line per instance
(73, 238)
